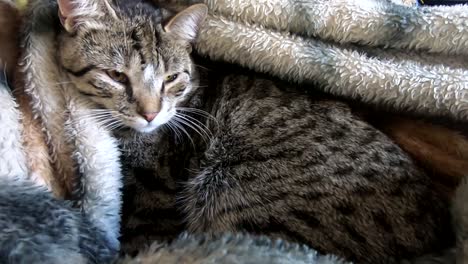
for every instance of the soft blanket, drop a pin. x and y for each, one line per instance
(375, 51)
(405, 59)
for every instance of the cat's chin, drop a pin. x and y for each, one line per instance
(142, 126)
(146, 130)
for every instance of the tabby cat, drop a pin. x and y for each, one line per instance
(239, 152)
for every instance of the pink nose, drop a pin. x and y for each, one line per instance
(149, 116)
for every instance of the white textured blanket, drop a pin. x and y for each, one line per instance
(405, 58)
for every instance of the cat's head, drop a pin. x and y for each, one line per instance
(127, 60)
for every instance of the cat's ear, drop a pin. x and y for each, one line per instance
(185, 25)
(76, 13)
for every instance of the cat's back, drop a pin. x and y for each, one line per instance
(310, 170)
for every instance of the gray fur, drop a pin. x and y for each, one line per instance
(37, 228)
(271, 160)
(229, 249)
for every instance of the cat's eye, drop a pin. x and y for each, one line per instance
(117, 76)
(171, 78)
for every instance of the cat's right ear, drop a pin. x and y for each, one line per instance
(76, 13)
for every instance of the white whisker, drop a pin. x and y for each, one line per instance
(181, 128)
(197, 125)
(200, 113)
(178, 137)
(202, 67)
(194, 128)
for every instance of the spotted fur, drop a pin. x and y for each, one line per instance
(238, 152)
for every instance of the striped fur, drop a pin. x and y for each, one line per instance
(288, 165)
(271, 159)
(274, 160)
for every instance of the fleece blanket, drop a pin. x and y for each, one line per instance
(375, 51)
(403, 58)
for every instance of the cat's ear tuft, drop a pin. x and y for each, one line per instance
(185, 25)
(74, 13)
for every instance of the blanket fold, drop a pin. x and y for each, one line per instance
(366, 22)
(404, 85)
(299, 41)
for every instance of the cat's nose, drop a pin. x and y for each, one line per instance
(149, 116)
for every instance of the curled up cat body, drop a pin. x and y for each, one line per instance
(262, 157)
(238, 153)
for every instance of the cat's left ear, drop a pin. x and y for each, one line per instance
(185, 25)
(83, 13)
